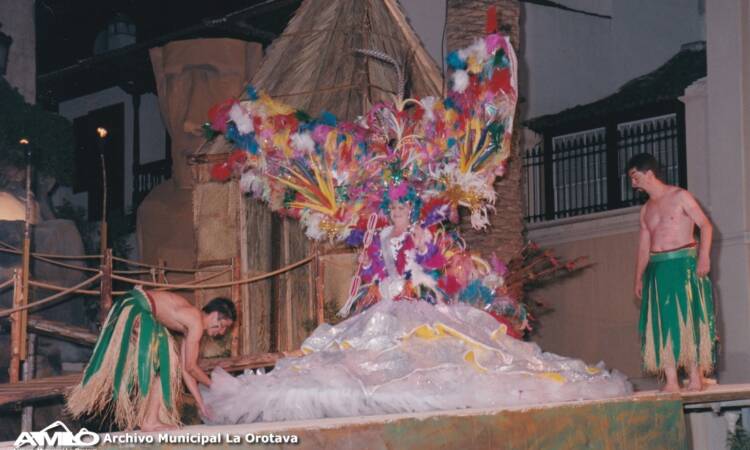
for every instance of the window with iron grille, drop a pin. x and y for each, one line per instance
(583, 172)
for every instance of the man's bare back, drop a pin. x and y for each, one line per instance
(667, 220)
(175, 312)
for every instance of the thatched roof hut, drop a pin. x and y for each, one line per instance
(314, 65)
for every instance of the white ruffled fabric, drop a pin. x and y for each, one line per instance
(406, 356)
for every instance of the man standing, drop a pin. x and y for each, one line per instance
(671, 277)
(134, 371)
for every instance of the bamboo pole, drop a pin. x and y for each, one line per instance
(105, 295)
(15, 353)
(235, 349)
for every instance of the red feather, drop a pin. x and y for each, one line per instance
(491, 26)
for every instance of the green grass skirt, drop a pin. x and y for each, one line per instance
(677, 324)
(132, 352)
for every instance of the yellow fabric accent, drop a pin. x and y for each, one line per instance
(425, 332)
(446, 330)
(592, 370)
(502, 330)
(554, 376)
(471, 358)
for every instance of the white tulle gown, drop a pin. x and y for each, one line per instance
(407, 356)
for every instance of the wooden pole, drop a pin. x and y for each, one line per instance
(27, 417)
(103, 226)
(14, 371)
(311, 291)
(25, 259)
(79, 335)
(288, 290)
(320, 303)
(105, 299)
(161, 272)
(235, 348)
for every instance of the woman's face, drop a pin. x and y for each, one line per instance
(400, 214)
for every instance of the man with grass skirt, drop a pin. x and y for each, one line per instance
(134, 372)
(677, 323)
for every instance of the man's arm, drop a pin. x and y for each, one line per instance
(190, 382)
(694, 211)
(191, 349)
(644, 245)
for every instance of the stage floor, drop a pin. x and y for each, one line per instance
(643, 420)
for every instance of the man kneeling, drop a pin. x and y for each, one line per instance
(134, 372)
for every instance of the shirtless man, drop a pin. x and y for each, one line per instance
(133, 372)
(677, 317)
(179, 315)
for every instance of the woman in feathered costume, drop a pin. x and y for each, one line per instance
(432, 325)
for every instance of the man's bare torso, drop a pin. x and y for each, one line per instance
(667, 222)
(174, 312)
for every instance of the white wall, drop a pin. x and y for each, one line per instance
(727, 144)
(568, 58)
(17, 19)
(152, 135)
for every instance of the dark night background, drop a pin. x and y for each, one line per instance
(66, 29)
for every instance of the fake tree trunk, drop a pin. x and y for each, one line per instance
(466, 21)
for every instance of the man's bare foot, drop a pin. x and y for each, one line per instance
(157, 426)
(695, 385)
(671, 388)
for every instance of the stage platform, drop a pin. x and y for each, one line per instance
(643, 420)
(636, 422)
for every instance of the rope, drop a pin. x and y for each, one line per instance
(53, 287)
(68, 266)
(151, 266)
(195, 282)
(49, 299)
(6, 283)
(132, 272)
(219, 285)
(10, 249)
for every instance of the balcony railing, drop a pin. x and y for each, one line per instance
(584, 172)
(147, 176)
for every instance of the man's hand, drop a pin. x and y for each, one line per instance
(205, 411)
(638, 289)
(704, 266)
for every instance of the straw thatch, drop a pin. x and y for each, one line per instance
(314, 65)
